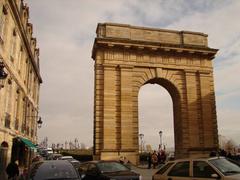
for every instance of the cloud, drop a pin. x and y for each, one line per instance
(65, 31)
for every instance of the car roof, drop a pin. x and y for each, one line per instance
(198, 158)
(52, 168)
(55, 162)
(67, 156)
(100, 161)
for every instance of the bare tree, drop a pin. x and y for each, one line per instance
(230, 146)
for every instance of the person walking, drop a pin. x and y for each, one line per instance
(154, 159)
(13, 170)
(149, 158)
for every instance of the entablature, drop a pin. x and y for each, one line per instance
(110, 35)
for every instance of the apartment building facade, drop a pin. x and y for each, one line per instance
(19, 94)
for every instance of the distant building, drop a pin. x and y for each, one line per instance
(19, 98)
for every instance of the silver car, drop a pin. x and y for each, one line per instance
(199, 169)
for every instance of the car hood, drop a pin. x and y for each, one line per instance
(121, 174)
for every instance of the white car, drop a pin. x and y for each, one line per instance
(49, 151)
(69, 158)
(199, 169)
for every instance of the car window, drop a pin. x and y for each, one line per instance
(92, 168)
(164, 168)
(53, 170)
(180, 169)
(225, 166)
(111, 167)
(83, 167)
(202, 169)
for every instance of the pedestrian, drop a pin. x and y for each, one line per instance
(163, 156)
(149, 158)
(36, 158)
(13, 170)
(121, 160)
(159, 156)
(154, 159)
(212, 154)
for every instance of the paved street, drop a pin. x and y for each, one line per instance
(145, 173)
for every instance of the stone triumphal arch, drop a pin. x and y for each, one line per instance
(127, 57)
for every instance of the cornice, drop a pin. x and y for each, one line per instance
(151, 46)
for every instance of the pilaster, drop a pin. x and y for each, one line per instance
(110, 108)
(127, 126)
(192, 108)
(207, 108)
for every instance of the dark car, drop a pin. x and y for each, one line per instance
(75, 163)
(54, 170)
(97, 170)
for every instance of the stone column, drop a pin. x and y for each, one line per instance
(208, 111)
(127, 125)
(98, 110)
(109, 113)
(192, 111)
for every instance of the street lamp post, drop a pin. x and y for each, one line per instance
(160, 135)
(141, 138)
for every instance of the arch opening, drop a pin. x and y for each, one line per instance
(4, 144)
(164, 106)
(155, 115)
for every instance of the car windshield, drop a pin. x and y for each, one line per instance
(53, 170)
(111, 167)
(164, 168)
(225, 166)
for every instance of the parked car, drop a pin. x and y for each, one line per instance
(98, 170)
(171, 156)
(75, 163)
(199, 169)
(53, 169)
(54, 156)
(66, 158)
(49, 151)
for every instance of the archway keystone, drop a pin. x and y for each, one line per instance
(127, 57)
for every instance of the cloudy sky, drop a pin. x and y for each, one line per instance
(65, 30)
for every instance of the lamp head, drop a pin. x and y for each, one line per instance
(39, 122)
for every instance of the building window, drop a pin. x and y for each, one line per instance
(13, 46)
(27, 130)
(23, 128)
(32, 133)
(3, 16)
(17, 109)
(7, 120)
(20, 59)
(16, 124)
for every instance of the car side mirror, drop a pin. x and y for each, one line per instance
(215, 176)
